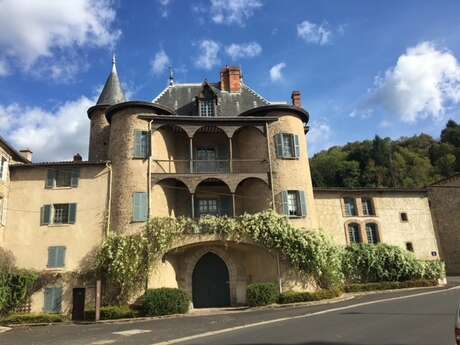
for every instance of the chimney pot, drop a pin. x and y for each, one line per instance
(27, 154)
(230, 79)
(77, 158)
(296, 99)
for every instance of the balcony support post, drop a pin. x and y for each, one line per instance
(191, 155)
(193, 204)
(234, 205)
(231, 154)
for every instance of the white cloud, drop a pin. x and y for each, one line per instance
(233, 11)
(209, 54)
(160, 62)
(276, 72)
(4, 70)
(313, 33)
(319, 136)
(164, 10)
(424, 82)
(244, 50)
(36, 29)
(51, 135)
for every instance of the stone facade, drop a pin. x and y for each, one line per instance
(445, 207)
(177, 156)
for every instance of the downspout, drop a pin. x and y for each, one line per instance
(280, 283)
(109, 206)
(270, 171)
(149, 172)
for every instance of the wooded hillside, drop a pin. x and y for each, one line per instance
(408, 162)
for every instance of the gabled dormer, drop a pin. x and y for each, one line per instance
(206, 101)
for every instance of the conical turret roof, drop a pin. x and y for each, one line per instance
(112, 93)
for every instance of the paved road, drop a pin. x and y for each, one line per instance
(422, 320)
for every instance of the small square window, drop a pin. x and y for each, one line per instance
(61, 214)
(404, 217)
(410, 246)
(207, 108)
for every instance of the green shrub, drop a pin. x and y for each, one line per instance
(297, 297)
(165, 301)
(262, 294)
(15, 288)
(112, 313)
(390, 285)
(33, 318)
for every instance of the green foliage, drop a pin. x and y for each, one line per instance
(408, 162)
(389, 285)
(165, 301)
(297, 297)
(262, 294)
(15, 288)
(113, 313)
(362, 263)
(32, 318)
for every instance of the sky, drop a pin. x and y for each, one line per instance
(364, 68)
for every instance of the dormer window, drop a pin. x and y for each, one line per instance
(206, 107)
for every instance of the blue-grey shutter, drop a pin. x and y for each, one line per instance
(226, 206)
(296, 146)
(137, 144)
(72, 213)
(45, 215)
(50, 179)
(139, 206)
(279, 142)
(48, 298)
(52, 256)
(74, 178)
(222, 156)
(284, 198)
(57, 300)
(60, 256)
(303, 204)
(197, 208)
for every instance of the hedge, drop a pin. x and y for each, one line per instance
(297, 297)
(33, 318)
(165, 301)
(259, 294)
(389, 285)
(112, 313)
(15, 288)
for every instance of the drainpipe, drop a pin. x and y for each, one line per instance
(279, 272)
(270, 171)
(149, 172)
(109, 205)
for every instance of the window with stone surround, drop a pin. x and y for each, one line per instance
(354, 233)
(350, 207)
(372, 232)
(368, 206)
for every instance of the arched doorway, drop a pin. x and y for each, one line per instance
(210, 282)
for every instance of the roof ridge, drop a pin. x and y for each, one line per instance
(255, 93)
(161, 94)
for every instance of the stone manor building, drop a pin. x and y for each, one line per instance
(216, 148)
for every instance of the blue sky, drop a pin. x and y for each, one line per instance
(363, 67)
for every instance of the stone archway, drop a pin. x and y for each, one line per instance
(210, 282)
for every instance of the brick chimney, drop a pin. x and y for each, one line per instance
(77, 158)
(27, 154)
(296, 99)
(230, 79)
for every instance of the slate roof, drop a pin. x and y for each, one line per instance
(181, 97)
(59, 163)
(367, 190)
(16, 155)
(112, 93)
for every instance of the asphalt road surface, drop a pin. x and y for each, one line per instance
(426, 318)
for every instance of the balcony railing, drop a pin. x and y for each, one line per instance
(218, 166)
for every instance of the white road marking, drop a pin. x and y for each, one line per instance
(262, 323)
(103, 342)
(132, 332)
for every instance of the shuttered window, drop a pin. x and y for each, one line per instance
(287, 146)
(58, 214)
(141, 144)
(56, 256)
(62, 178)
(140, 207)
(294, 204)
(53, 300)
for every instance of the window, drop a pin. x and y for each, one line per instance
(372, 233)
(294, 204)
(206, 160)
(56, 257)
(207, 206)
(58, 214)
(3, 168)
(140, 207)
(350, 207)
(287, 146)
(410, 246)
(141, 144)
(354, 233)
(62, 178)
(53, 300)
(404, 217)
(368, 207)
(207, 108)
